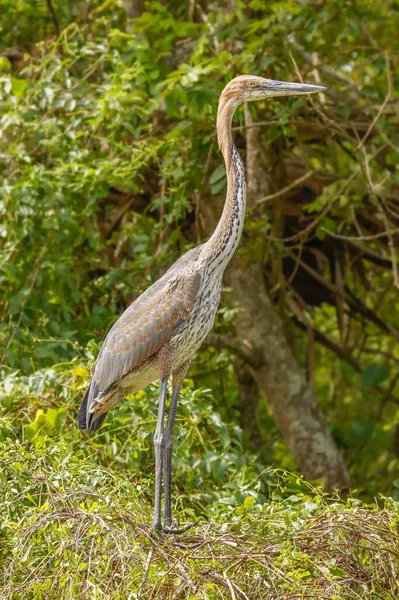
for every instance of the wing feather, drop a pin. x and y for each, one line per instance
(145, 326)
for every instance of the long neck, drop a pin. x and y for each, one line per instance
(221, 246)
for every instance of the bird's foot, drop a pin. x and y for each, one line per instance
(178, 530)
(160, 533)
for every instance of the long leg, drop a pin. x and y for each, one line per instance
(159, 452)
(178, 378)
(167, 463)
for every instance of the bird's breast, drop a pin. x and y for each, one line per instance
(191, 333)
(186, 340)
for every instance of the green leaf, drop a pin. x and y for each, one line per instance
(51, 416)
(219, 468)
(19, 86)
(215, 189)
(29, 431)
(374, 374)
(5, 65)
(129, 127)
(361, 431)
(218, 174)
(100, 316)
(249, 502)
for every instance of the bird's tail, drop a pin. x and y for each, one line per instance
(87, 420)
(83, 411)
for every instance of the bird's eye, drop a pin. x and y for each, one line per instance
(251, 84)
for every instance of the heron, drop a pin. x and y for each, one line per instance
(160, 332)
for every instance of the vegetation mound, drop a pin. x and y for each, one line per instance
(72, 529)
(74, 511)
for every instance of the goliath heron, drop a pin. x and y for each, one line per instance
(158, 335)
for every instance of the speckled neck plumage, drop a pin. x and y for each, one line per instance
(221, 246)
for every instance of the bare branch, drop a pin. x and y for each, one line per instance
(382, 107)
(358, 238)
(53, 17)
(351, 300)
(286, 189)
(324, 68)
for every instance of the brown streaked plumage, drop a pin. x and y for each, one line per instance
(160, 332)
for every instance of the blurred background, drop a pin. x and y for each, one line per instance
(110, 170)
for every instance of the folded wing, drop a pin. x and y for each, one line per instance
(143, 329)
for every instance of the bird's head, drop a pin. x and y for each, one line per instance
(247, 88)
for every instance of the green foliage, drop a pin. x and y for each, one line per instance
(72, 528)
(108, 156)
(374, 374)
(73, 509)
(207, 449)
(101, 109)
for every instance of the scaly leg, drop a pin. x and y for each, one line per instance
(178, 378)
(167, 462)
(159, 452)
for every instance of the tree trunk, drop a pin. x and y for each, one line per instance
(280, 378)
(248, 399)
(133, 8)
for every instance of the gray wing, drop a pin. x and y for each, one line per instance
(148, 323)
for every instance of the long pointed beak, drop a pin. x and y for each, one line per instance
(285, 88)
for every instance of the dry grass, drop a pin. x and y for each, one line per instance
(65, 540)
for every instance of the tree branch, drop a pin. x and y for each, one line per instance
(350, 299)
(345, 355)
(53, 17)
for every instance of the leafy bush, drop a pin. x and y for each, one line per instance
(71, 528)
(74, 511)
(108, 156)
